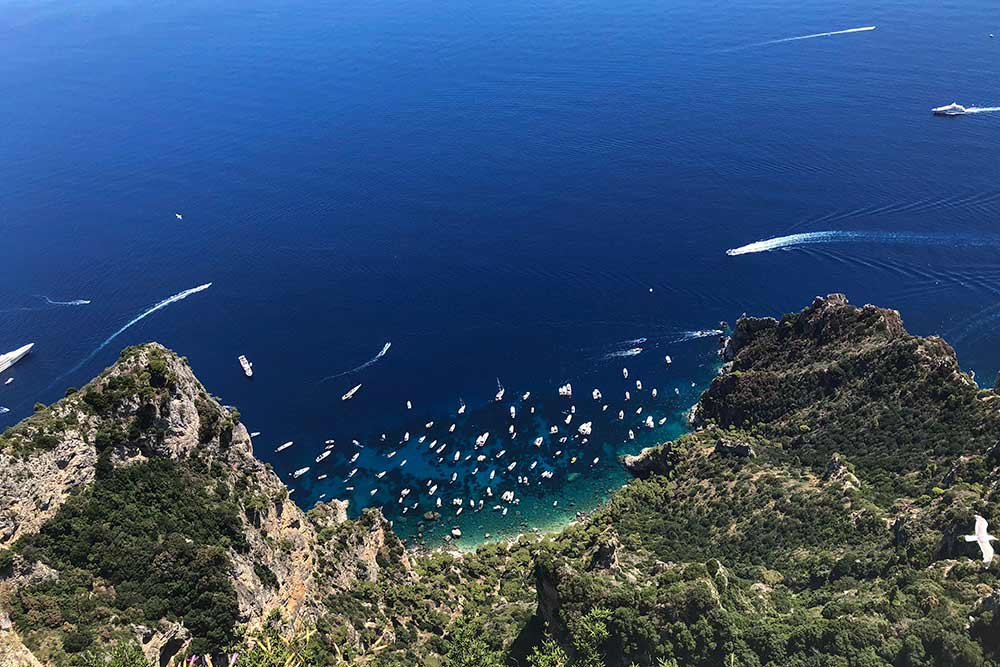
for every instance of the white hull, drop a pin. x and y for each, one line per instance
(11, 358)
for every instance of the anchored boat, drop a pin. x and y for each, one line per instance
(247, 366)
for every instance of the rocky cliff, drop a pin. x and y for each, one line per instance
(813, 517)
(150, 407)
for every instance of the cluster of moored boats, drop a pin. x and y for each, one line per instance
(499, 478)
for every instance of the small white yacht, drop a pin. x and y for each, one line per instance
(247, 366)
(284, 446)
(349, 395)
(298, 473)
(9, 359)
(953, 109)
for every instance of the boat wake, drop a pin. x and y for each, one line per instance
(694, 335)
(797, 38)
(813, 238)
(617, 354)
(74, 302)
(867, 28)
(668, 338)
(180, 296)
(385, 348)
(976, 202)
(981, 109)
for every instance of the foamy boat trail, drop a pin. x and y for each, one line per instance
(180, 296)
(981, 109)
(867, 28)
(813, 238)
(385, 348)
(74, 302)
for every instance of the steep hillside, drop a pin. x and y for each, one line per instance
(813, 517)
(135, 507)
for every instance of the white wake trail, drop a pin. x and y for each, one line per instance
(796, 240)
(141, 316)
(631, 352)
(812, 238)
(981, 109)
(385, 348)
(867, 28)
(702, 333)
(74, 302)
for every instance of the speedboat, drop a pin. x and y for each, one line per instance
(247, 366)
(11, 358)
(953, 109)
(349, 395)
(301, 471)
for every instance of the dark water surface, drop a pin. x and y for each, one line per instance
(495, 188)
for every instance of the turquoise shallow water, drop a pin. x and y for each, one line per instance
(513, 190)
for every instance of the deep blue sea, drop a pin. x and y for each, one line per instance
(505, 191)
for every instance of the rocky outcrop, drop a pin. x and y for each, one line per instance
(13, 652)
(180, 421)
(32, 488)
(837, 471)
(162, 644)
(746, 329)
(656, 460)
(733, 448)
(362, 550)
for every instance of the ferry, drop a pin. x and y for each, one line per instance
(11, 358)
(953, 109)
(247, 366)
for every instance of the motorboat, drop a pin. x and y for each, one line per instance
(953, 109)
(9, 359)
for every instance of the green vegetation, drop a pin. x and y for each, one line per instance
(814, 520)
(146, 541)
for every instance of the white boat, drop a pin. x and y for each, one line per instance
(284, 446)
(9, 380)
(11, 358)
(500, 391)
(322, 456)
(255, 434)
(349, 395)
(247, 366)
(953, 109)
(301, 471)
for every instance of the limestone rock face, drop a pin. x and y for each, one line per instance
(727, 447)
(33, 488)
(183, 422)
(656, 460)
